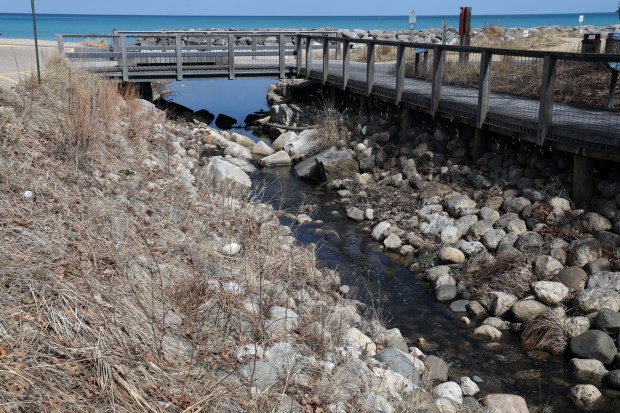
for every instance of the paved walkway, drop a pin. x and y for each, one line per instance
(17, 59)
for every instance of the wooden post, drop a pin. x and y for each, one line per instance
(444, 32)
(282, 57)
(465, 32)
(363, 105)
(416, 62)
(484, 89)
(612, 88)
(179, 50)
(124, 63)
(407, 121)
(545, 113)
(231, 56)
(583, 181)
(298, 52)
(308, 56)
(481, 143)
(370, 68)
(61, 44)
(400, 72)
(325, 59)
(209, 43)
(254, 46)
(346, 60)
(425, 64)
(338, 44)
(437, 79)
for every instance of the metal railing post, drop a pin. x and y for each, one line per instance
(298, 53)
(124, 63)
(484, 88)
(179, 50)
(61, 44)
(401, 63)
(346, 60)
(325, 59)
(547, 90)
(370, 68)
(308, 56)
(282, 56)
(231, 56)
(437, 79)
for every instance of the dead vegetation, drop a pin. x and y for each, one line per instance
(115, 293)
(545, 333)
(498, 37)
(330, 128)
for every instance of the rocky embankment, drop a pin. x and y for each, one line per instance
(498, 239)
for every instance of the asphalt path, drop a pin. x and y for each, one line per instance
(17, 59)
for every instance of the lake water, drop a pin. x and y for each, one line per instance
(19, 26)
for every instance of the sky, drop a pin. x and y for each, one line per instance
(306, 8)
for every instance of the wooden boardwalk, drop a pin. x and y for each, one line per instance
(151, 56)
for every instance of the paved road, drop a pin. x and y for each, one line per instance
(17, 59)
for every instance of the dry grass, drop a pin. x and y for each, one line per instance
(493, 36)
(330, 128)
(545, 333)
(109, 270)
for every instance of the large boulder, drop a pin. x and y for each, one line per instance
(501, 302)
(592, 300)
(594, 344)
(528, 309)
(589, 370)
(593, 223)
(449, 390)
(461, 205)
(606, 279)
(607, 321)
(572, 277)
(529, 241)
(400, 362)
(227, 178)
(238, 151)
(283, 139)
(506, 403)
(285, 114)
(336, 164)
(586, 396)
(550, 292)
(583, 251)
(262, 149)
(280, 158)
(303, 146)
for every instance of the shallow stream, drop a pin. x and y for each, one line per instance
(401, 298)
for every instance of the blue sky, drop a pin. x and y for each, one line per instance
(308, 8)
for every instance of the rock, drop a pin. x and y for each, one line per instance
(284, 114)
(529, 241)
(591, 300)
(528, 309)
(355, 214)
(459, 306)
(594, 223)
(471, 404)
(262, 149)
(470, 248)
(249, 351)
(350, 378)
(369, 214)
(598, 265)
(547, 266)
(451, 255)
(496, 322)
(436, 368)
(393, 242)
(259, 374)
(436, 224)
(245, 165)
(515, 205)
(374, 403)
(461, 205)
(588, 370)
(379, 229)
(594, 344)
(394, 338)
(231, 249)
(227, 178)
(224, 121)
(358, 340)
(479, 229)
(501, 302)
(449, 390)
(469, 387)
(305, 145)
(583, 251)
(487, 332)
(336, 164)
(560, 204)
(586, 396)
(510, 222)
(281, 319)
(492, 239)
(613, 379)
(607, 280)
(450, 235)
(476, 309)
(607, 321)
(279, 158)
(282, 140)
(465, 222)
(445, 293)
(247, 142)
(238, 151)
(400, 362)
(282, 356)
(576, 326)
(432, 274)
(572, 277)
(550, 292)
(488, 214)
(608, 240)
(506, 403)
(507, 243)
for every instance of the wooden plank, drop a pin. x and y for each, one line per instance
(401, 64)
(338, 45)
(61, 44)
(325, 60)
(547, 90)
(124, 64)
(484, 89)
(437, 79)
(370, 69)
(231, 56)
(613, 83)
(308, 57)
(282, 56)
(179, 56)
(298, 40)
(346, 61)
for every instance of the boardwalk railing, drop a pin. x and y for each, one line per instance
(141, 56)
(568, 98)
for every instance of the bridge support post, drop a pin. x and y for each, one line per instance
(334, 92)
(143, 89)
(481, 143)
(583, 181)
(363, 105)
(407, 121)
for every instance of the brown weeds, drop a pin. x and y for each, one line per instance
(545, 333)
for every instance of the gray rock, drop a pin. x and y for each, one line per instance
(281, 319)
(452, 255)
(469, 387)
(608, 240)
(379, 229)
(547, 266)
(598, 265)
(501, 302)
(588, 370)
(515, 205)
(351, 378)
(496, 322)
(572, 277)
(594, 223)
(470, 248)
(375, 403)
(583, 251)
(607, 321)
(449, 390)
(282, 140)
(529, 241)
(355, 214)
(303, 146)
(487, 332)
(506, 403)
(281, 158)
(259, 374)
(227, 178)
(282, 356)
(461, 205)
(507, 243)
(586, 396)
(437, 368)
(459, 306)
(488, 214)
(434, 273)
(446, 293)
(400, 362)
(394, 338)
(479, 229)
(492, 239)
(527, 310)
(576, 326)
(262, 149)
(591, 300)
(336, 164)
(594, 344)
(550, 292)
(607, 280)
(471, 404)
(613, 379)
(450, 235)
(393, 242)
(465, 222)
(436, 224)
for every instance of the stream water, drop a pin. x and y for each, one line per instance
(384, 281)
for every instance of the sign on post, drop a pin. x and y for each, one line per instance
(580, 22)
(526, 33)
(412, 19)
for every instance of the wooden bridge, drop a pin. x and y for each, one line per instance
(563, 100)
